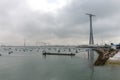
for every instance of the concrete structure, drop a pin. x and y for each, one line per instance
(91, 40)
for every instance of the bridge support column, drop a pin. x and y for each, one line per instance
(91, 39)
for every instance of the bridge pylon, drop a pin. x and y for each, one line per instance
(91, 38)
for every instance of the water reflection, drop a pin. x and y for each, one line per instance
(91, 63)
(92, 73)
(44, 56)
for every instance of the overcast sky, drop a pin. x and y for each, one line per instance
(58, 21)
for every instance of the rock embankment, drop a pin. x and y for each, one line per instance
(104, 55)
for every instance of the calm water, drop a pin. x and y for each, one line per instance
(39, 67)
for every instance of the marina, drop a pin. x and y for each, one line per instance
(28, 63)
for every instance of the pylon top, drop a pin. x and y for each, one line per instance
(90, 14)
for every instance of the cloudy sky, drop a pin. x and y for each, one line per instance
(58, 21)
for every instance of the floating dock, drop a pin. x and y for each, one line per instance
(71, 54)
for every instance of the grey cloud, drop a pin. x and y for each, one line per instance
(74, 15)
(17, 18)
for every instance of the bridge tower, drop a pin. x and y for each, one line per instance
(91, 39)
(24, 42)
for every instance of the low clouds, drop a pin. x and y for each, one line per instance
(18, 21)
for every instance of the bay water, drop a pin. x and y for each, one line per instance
(53, 67)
